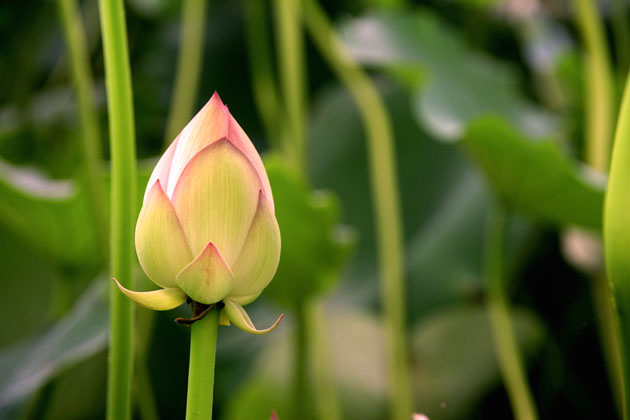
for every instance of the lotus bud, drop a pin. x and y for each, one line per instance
(207, 229)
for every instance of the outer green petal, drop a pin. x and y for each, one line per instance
(207, 279)
(258, 260)
(237, 315)
(216, 199)
(158, 300)
(160, 241)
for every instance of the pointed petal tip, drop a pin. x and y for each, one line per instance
(215, 97)
(157, 300)
(239, 317)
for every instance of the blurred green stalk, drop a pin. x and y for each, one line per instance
(261, 69)
(617, 235)
(290, 54)
(290, 47)
(598, 129)
(599, 86)
(203, 347)
(74, 36)
(385, 197)
(621, 31)
(327, 404)
(188, 67)
(508, 355)
(123, 211)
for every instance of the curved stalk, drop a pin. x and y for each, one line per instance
(123, 211)
(74, 35)
(508, 355)
(599, 86)
(385, 197)
(617, 235)
(188, 67)
(291, 58)
(203, 347)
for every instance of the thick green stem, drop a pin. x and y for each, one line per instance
(188, 67)
(74, 35)
(617, 235)
(123, 211)
(385, 198)
(203, 347)
(261, 70)
(509, 357)
(292, 74)
(599, 86)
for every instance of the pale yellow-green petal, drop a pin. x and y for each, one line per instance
(160, 241)
(244, 300)
(259, 257)
(237, 315)
(157, 300)
(216, 199)
(207, 279)
(209, 125)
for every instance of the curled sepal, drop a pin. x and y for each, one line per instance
(157, 300)
(237, 316)
(207, 279)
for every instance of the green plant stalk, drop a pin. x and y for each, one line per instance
(290, 48)
(123, 211)
(609, 334)
(188, 67)
(203, 346)
(327, 405)
(261, 70)
(621, 31)
(617, 235)
(508, 355)
(598, 132)
(385, 198)
(302, 348)
(74, 36)
(599, 86)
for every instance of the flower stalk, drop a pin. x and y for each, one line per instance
(123, 199)
(203, 348)
(385, 197)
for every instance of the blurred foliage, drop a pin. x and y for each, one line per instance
(535, 176)
(314, 246)
(448, 71)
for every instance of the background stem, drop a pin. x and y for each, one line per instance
(90, 142)
(598, 129)
(598, 99)
(385, 198)
(188, 67)
(292, 75)
(261, 70)
(301, 401)
(617, 235)
(203, 347)
(326, 401)
(123, 211)
(509, 357)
